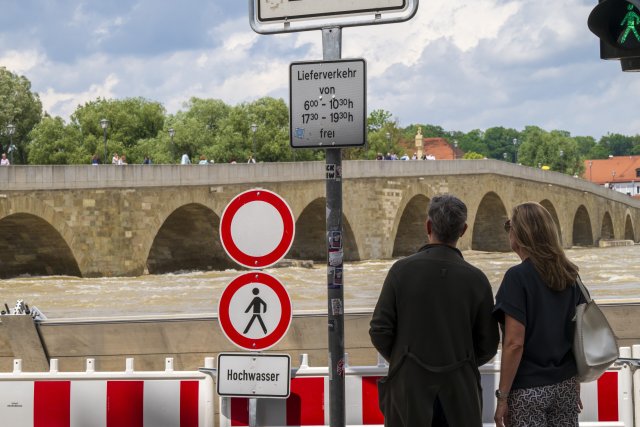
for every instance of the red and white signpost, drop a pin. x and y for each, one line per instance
(257, 230)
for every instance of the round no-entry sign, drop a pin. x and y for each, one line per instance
(257, 228)
(255, 311)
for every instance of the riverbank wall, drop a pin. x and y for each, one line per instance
(189, 339)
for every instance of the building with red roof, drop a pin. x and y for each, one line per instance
(440, 149)
(620, 173)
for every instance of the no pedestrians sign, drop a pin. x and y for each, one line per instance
(257, 228)
(255, 311)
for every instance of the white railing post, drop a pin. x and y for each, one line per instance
(304, 360)
(625, 390)
(53, 366)
(209, 386)
(91, 365)
(635, 352)
(129, 363)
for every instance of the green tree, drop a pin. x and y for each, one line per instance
(585, 145)
(378, 119)
(617, 144)
(54, 143)
(500, 140)
(472, 141)
(130, 120)
(382, 138)
(555, 149)
(18, 106)
(471, 155)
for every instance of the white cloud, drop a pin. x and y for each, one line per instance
(461, 65)
(64, 104)
(22, 62)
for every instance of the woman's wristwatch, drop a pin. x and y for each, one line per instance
(501, 395)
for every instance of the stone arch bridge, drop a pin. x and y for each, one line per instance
(124, 220)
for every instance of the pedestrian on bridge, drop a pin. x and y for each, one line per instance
(433, 323)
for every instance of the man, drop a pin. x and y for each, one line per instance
(434, 326)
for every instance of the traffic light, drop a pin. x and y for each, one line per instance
(617, 23)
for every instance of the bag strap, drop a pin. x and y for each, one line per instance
(583, 289)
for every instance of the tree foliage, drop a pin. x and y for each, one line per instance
(20, 107)
(219, 132)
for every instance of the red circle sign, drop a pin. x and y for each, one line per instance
(255, 311)
(257, 228)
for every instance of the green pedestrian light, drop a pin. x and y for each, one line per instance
(617, 24)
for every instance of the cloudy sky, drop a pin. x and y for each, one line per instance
(459, 64)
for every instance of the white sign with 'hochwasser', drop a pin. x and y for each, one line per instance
(254, 375)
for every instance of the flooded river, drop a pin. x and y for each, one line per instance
(610, 273)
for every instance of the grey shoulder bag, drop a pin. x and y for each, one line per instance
(594, 343)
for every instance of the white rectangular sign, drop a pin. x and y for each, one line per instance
(279, 10)
(327, 105)
(254, 375)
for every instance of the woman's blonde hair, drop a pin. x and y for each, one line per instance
(535, 232)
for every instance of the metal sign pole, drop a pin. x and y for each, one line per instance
(331, 50)
(253, 412)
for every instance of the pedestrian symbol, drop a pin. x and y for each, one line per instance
(631, 20)
(254, 311)
(256, 303)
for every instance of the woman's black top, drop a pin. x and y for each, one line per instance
(547, 316)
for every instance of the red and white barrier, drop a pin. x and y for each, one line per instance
(607, 402)
(308, 402)
(185, 399)
(106, 399)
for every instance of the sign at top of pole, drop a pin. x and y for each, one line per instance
(257, 228)
(283, 16)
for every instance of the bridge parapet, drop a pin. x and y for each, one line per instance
(54, 177)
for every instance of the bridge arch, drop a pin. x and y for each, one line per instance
(552, 210)
(31, 245)
(606, 230)
(188, 240)
(629, 233)
(410, 234)
(488, 231)
(310, 241)
(582, 234)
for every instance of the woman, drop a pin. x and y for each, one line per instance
(535, 306)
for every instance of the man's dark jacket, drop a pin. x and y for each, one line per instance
(433, 322)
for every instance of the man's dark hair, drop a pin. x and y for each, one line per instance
(448, 216)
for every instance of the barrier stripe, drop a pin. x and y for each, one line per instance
(370, 410)
(51, 404)
(124, 403)
(158, 410)
(189, 395)
(311, 392)
(239, 411)
(608, 397)
(308, 403)
(88, 394)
